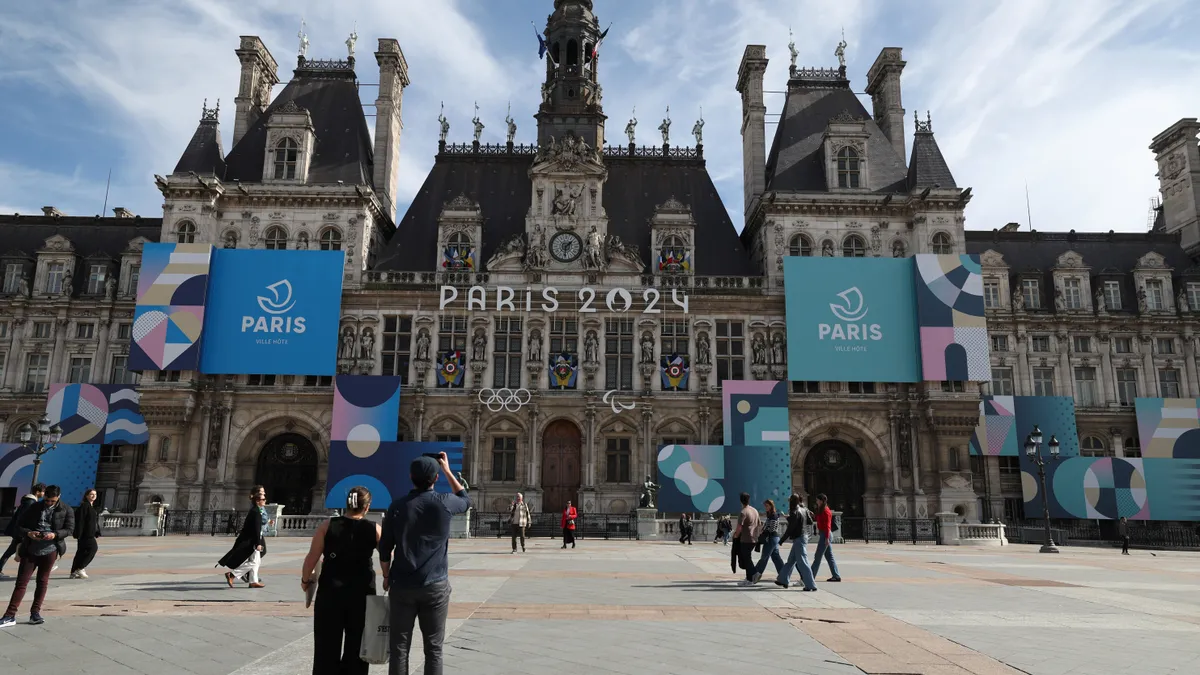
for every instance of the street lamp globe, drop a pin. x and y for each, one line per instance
(44, 425)
(1053, 445)
(1030, 446)
(25, 434)
(55, 434)
(1036, 436)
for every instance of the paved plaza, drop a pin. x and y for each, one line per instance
(156, 605)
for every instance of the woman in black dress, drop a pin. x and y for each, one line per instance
(87, 529)
(347, 543)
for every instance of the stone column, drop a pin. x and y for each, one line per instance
(1024, 373)
(915, 449)
(228, 456)
(1118, 442)
(534, 448)
(12, 367)
(1189, 357)
(56, 357)
(646, 462)
(476, 443)
(589, 454)
(1149, 373)
(202, 453)
(1108, 376)
(894, 438)
(1064, 364)
(100, 372)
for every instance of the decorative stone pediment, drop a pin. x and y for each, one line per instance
(58, 243)
(1070, 259)
(991, 258)
(1152, 260)
(571, 154)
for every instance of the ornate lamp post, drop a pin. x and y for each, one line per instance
(1033, 448)
(47, 439)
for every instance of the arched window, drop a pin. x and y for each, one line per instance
(941, 244)
(287, 154)
(185, 232)
(572, 53)
(331, 240)
(800, 245)
(460, 246)
(854, 246)
(275, 239)
(848, 168)
(1092, 446)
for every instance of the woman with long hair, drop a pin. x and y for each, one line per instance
(87, 529)
(347, 543)
(799, 520)
(770, 540)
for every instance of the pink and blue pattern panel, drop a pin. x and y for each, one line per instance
(709, 478)
(1107, 488)
(169, 317)
(108, 414)
(366, 411)
(71, 467)
(950, 315)
(755, 413)
(1169, 427)
(1005, 421)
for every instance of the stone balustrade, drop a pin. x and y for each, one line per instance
(954, 533)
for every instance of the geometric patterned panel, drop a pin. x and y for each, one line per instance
(97, 414)
(950, 316)
(366, 410)
(709, 478)
(1169, 427)
(385, 472)
(1005, 421)
(1108, 488)
(755, 413)
(169, 317)
(70, 467)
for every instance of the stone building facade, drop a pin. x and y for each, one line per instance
(571, 255)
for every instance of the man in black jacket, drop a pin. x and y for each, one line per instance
(43, 528)
(34, 496)
(251, 545)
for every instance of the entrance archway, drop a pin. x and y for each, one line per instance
(835, 469)
(562, 445)
(287, 468)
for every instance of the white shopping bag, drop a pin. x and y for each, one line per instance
(376, 644)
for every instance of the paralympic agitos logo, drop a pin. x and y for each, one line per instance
(851, 311)
(276, 306)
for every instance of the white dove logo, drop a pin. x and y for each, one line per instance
(852, 310)
(278, 305)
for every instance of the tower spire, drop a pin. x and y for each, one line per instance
(571, 92)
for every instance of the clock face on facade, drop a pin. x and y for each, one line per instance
(566, 246)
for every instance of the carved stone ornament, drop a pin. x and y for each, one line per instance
(990, 258)
(1070, 259)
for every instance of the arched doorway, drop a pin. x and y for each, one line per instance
(835, 469)
(562, 445)
(287, 468)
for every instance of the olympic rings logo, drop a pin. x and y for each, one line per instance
(511, 400)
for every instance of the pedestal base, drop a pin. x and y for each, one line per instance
(647, 524)
(1048, 548)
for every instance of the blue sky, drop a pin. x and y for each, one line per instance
(1063, 95)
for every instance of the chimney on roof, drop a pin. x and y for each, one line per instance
(883, 84)
(1011, 227)
(754, 132)
(122, 212)
(393, 78)
(52, 212)
(1178, 159)
(259, 74)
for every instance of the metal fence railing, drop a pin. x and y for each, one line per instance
(890, 530)
(213, 523)
(1149, 534)
(587, 525)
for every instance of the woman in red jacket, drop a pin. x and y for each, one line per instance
(568, 525)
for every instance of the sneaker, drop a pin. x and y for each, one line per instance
(514, 551)
(54, 569)
(7, 622)
(74, 575)
(522, 549)
(745, 582)
(36, 620)
(780, 583)
(757, 576)
(83, 574)
(834, 579)
(810, 589)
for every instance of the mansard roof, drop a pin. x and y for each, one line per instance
(203, 154)
(501, 185)
(796, 162)
(927, 167)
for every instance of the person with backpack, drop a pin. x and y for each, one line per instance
(825, 529)
(34, 496)
(799, 520)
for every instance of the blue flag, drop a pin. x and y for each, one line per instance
(541, 43)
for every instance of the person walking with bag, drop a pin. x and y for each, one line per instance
(251, 545)
(799, 519)
(44, 528)
(824, 520)
(417, 530)
(519, 518)
(568, 525)
(771, 529)
(747, 534)
(87, 530)
(344, 547)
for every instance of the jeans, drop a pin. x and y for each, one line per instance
(338, 613)
(428, 605)
(798, 559)
(85, 553)
(770, 552)
(518, 531)
(825, 548)
(42, 564)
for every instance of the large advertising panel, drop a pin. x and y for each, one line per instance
(169, 317)
(851, 319)
(1005, 422)
(273, 313)
(71, 467)
(954, 338)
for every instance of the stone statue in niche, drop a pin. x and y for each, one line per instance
(827, 249)
(110, 287)
(1141, 298)
(591, 348)
(423, 345)
(759, 349)
(1181, 301)
(23, 286)
(703, 349)
(1060, 302)
(535, 346)
(302, 242)
(348, 343)
(68, 285)
(647, 347)
(897, 249)
(594, 250)
(368, 343)
(566, 200)
(1099, 301)
(1018, 301)
(479, 346)
(231, 240)
(778, 349)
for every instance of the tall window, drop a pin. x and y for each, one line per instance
(1154, 295)
(124, 331)
(848, 173)
(854, 246)
(564, 336)
(397, 343)
(331, 240)
(1132, 447)
(504, 458)
(260, 380)
(674, 336)
(1002, 381)
(164, 448)
(85, 331)
(1040, 343)
(185, 232)
(942, 244)
(12, 276)
(1082, 344)
(999, 343)
(287, 154)
(954, 386)
(1043, 381)
(110, 454)
(672, 440)
(96, 276)
(1127, 386)
(1010, 466)
(121, 373)
(731, 351)
(800, 246)
(3, 358)
(1031, 293)
(3, 330)
(1123, 345)
(41, 330)
(1085, 387)
(1112, 295)
(81, 369)
(1168, 383)
(54, 277)
(507, 347)
(618, 353)
(1193, 296)
(36, 370)
(1092, 446)
(991, 294)
(617, 456)
(1073, 293)
(275, 239)
(134, 272)
(1165, 345)
(452, 334)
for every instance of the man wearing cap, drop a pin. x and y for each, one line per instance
(417, 528)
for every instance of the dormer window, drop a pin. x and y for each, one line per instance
(854, 246)
(800, 246)
(185, 232)
(54, 277)
(848, 171)
(331, 240)
(287, 156)
(1154, 295)
(942, 244)
(275, 239)
(674, 256)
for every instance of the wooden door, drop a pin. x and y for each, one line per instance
(562, 445)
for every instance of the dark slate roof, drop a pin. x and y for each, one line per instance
(343, 141)
(204, 154)
(928, 167)
(796, 162)
(503, 189)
